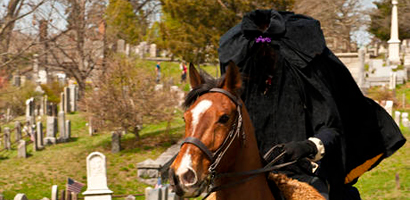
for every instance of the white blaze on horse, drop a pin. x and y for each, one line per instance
(220, 151)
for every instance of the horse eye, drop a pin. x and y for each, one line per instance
(223, 119)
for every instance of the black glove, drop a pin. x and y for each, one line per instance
(300, 149)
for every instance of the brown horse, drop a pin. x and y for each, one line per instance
(220, 145)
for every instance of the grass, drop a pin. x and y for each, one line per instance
(35, 175)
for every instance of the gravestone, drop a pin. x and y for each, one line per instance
(393, 80)
(127, 49)
(62, 102)
(68, 129)
(40, 143)
(54, 192)
(17, 128)
(41, 111)
(97, 178)
(51, 131)
(120, 46)
(389, 107)
(6, 137)
(73, 98)
(20, 196)
(61, 127)
(17, 80)
(66, 99)
(153, 50)
(22, 149)
(152, 193)
(397, 117)
(29, 108)
(34, 138)
(8, 115)
(90, 127)
(405, 119)
(116, 142)
(45, 105)
(130, 197)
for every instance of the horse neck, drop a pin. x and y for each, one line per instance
(248, 159)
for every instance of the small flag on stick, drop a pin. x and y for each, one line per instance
(74, 186)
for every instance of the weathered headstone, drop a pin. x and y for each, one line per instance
(115, 142)
(120, 46)
(17, 80)
(8, 115)
(7, 140)
(41, 111)
(61, 127)
(153, 50)
(66, 99)
(73, 98)
(393, 80)
(22, 149)
(97, 178)
(17, 128)
(389, 107)
(90, 127)
(29, 108)
(34, 138)
(405, 119)
(20, 196)
(51, 131)
(62, 102)
(68, 129)
(54, 192)
(397, 117)
(46, 105)
(152, 193)
(130, 197)
(40, 136)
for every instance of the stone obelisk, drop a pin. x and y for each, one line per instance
(394, 42)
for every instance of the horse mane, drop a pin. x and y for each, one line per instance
(209, 83)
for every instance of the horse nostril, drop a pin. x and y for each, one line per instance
(189, 177)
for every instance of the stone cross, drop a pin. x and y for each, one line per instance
(116, 142)
(40, 143)
(22, 149)
(54, 192)
(20, 197)
(394, 42)
(97, 178)
(7, 141)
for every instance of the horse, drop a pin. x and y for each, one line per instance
(220, 151)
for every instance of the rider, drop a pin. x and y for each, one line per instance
(299, 94)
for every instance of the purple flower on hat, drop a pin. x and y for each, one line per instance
(262, 39)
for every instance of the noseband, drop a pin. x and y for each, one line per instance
(235, 132)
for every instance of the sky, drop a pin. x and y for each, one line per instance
(57, 21)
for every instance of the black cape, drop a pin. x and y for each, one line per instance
(296, 88)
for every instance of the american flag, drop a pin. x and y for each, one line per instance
(74, 186)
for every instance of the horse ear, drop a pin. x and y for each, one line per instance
(194, 77)
(232, 79)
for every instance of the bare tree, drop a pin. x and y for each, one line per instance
(339, 18)
(80, 49)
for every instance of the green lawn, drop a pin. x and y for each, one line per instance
(35, 175)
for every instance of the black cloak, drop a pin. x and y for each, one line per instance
(296, 88)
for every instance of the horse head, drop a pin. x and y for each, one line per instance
(212, 131)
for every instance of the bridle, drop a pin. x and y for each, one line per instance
(235, 132)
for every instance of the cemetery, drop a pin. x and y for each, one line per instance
(101, 126)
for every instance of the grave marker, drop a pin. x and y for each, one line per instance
(97, 178)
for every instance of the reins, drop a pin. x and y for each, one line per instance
(215, 157)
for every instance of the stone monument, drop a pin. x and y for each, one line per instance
(97, 188)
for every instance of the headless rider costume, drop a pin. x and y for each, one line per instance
(298, 93)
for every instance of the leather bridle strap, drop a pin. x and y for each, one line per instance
(231, 96)
(195, 141)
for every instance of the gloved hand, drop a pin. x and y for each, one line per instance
(300, 149)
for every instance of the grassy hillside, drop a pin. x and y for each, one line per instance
(35, 175)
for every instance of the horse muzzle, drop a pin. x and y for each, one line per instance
(186, 184)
